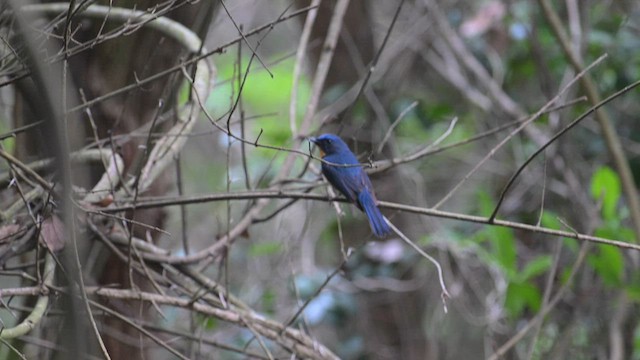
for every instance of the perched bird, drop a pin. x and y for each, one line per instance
(352, 181)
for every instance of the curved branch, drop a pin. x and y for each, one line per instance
(41, 305)
(292, 339)
(168, 27)
(608, 131)
(553, 139)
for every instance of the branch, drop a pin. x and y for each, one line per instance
(297, 67)
(41, 305)
(517, 130)
(554, 138)
(608, 131)
(445, 293)
(247, 220)
(545, 311)
(292, 339)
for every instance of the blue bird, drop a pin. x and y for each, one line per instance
(352, 181)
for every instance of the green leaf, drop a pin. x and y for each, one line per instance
(550, 220)
(264, 96)
(535, 267)
(503, 247)
(265, 248)
(269, 301)
(612, 229)
(633, 292)
(8, 143)
(521, 296)
(183, 93)
(208, 322)
(605, 187)
(608, 263)
(485, 203)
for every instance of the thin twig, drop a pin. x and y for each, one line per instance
(372, 68)
(245, 38)
(178, 67)
(394, 124)
(555, 137)
(551, 276)
(32, 320)
(445, 293)
(584, 249)
(297, 67)
(608, 131)
(318, 290)
(516, 131)
(247, 220)
(383, 165)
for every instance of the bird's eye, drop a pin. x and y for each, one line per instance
(329, 141)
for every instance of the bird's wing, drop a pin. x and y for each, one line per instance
(343, 180)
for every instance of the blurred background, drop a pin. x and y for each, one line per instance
(433, 94)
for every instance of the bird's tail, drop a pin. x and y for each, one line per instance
(376, 219)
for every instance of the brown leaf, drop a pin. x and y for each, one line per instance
(8, 231)
(104, 202)
(52, 233)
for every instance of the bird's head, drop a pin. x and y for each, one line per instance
(329, 144)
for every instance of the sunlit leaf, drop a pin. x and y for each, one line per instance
(605, 187)
(608, 263)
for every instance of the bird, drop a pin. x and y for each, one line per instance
(352, 181)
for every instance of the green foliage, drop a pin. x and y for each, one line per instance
(207, 322)
(521, 296)
(269, 301)
(533, 268)
(613, 35)
(261, 95)
(522, 292)
(9, 143)
(501, 239)
(426, 122)
(550, 220)
(435, 111)
(183, 93)
(605, 187)
(608, 261)
(265, 248)
(633, 290)
(265, 106)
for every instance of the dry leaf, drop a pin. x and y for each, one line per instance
(7, 231)
(52, 233)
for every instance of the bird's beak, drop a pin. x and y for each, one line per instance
(315, 141)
